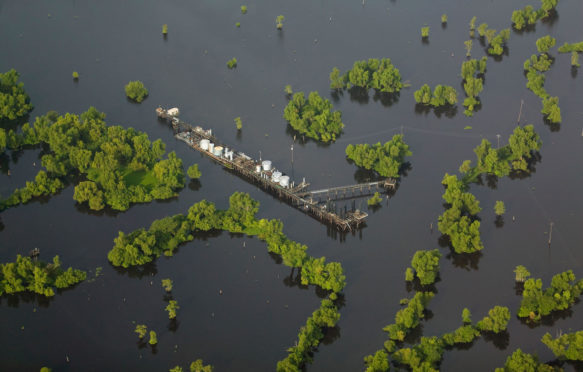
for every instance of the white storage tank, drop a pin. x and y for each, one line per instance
(275, 176)
(284, 181)
(174, 111)
(211, 147)
(218, 151)
(204, 144)
(266, 164)
(258, 168)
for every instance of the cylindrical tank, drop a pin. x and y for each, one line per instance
(204, 144)
(258, 168)
(218, 151)
(211, 147)
(275, 176)
(174, 111)
(266, 164)
(284, 181)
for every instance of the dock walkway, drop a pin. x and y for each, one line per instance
(316, 203)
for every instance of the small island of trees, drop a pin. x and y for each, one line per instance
(313, 117)
(426, 266)
(120, 166)
(136, 91)
(472, 75)
(386, 159)
(26, 275)
(442, 95)
(377, 74)
(14, 102)
(528, 16)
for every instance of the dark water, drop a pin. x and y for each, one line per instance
(112, 42)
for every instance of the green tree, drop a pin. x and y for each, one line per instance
(238, 123)
(14, 102)
(424, 32)
(171, 309)
(409, 274)
(135, 90)
(153, 338)
(243, 9)
(575, 59)
(176, 369)
(379, 362)
(198, 366)
(75, 75)
(499, 208)
(496, 321)
(543, 44)
(520, 361)
(164, 29)
(141, 330)
(568, 346)
(167, 285)
(193, 172)
(288, 90)
(468, 45)
(551, 109)
(444, 18)
(313, 117)
(521, 273)
(337, 81)
(466, 316)
(376, 199)
(385, 159)
(279, 21)
(426, 265)
(232, 63)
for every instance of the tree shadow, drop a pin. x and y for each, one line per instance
(138, 272)
(386, 99)
(554, 127)
(194, 185)
(551, 19)
(359, 95)
(173, 325)
(551, 319)
(425, 40)
(499, 222)
(500, 340)
(331, 335)
(14, 300)
(574, 71)
(467, 261)
(8, 124)
(526, 29)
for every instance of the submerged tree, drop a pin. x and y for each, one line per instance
(279, 21)
(499, 208)
(314, 117)
(193, 172)
(424, 32)
(14, 102)
(141, 330)
(135, 90)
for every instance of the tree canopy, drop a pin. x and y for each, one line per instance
(26, 275)
(520, 361)
(314, 117)
(135, 90)
(385, 159)
(374, 73)
(426, 265)
(119, 166)
(14, 102)
(442, 95)
(568, 346)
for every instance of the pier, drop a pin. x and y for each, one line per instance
(319, 204)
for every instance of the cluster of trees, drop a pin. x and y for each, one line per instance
(197, 365)
(496, 42)
(326, 316)
(136, 91)
(528, 16)
(562, 293)
(428, 353)
(171, 308)
(459, 220)
(193, 172)
(424, 32)
(232, 63)
(472, 75)
(569, 48)
(535, 68)
(442, 95)
(376, 199)
(142, 246)
(407, 318)
(121, 166)
(425, 265)
(385, 159)
(313, 117)
(521, 361)
(26, 275)
(374, 73)
(568, 346)
(14, 102)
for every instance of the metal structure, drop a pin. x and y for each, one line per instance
(319, 204)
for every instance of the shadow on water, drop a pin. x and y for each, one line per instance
(14, 300)
(173, 325)
(574, 71)
(467, 261)
(14, 124)
(526, 29)
(194, 185)
(425, 40)
(361, 96)
(551, 19)
(554, 127)
(549, 320)
(302, 139)
(137, 272)
(499, 222)
(416, 286)
(448, 111)
(500, 340)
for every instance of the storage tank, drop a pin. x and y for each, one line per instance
(266, 164)
(284, 181)
(258, 168)
(174, 111)
(218, 151)
(275, 176)
(204, 144)
(211, 147)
